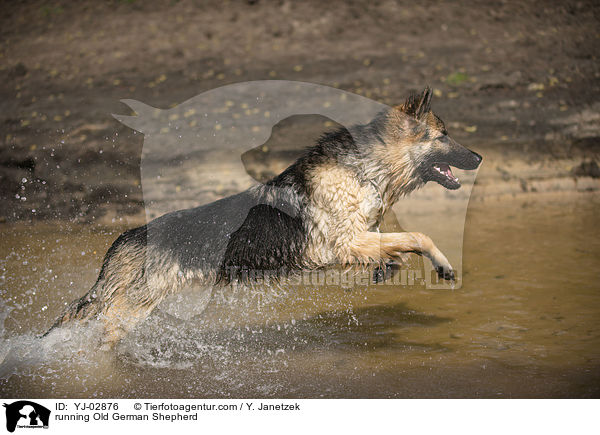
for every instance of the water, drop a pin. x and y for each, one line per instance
(525, 323)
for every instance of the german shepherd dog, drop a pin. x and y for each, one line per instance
(324, 209)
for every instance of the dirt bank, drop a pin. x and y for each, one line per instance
(517, 82)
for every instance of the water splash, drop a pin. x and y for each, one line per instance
(21, 353)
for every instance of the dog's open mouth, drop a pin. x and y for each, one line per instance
(444, 176)
(444, 169)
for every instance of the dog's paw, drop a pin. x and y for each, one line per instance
(384, 272)
(445, 273)
(378, 275)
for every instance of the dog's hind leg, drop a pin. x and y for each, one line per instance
(133, 280)
(80, 309)
(134, 293)
(122, 315)
(370, 246)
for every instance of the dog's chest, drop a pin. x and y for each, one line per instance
(372, 209)
(341, 207)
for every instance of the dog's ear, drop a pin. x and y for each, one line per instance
(418, 106)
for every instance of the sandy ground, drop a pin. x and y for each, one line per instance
(518, 82)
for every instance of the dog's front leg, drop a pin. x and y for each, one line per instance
(370, 246)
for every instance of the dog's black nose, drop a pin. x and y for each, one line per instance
(478, 157)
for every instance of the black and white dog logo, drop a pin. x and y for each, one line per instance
(26, 414)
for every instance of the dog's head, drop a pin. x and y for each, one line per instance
(416, 133)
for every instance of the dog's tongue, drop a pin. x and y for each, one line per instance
(446, 170)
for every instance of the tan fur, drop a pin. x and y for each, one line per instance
(374, 247)
(341, 208)
(344, 209)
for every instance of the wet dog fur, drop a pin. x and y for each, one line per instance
(324, 209)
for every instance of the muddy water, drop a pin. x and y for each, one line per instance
(525, 323)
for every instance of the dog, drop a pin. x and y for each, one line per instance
(323, 209)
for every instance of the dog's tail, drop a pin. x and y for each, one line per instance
(82, 309)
